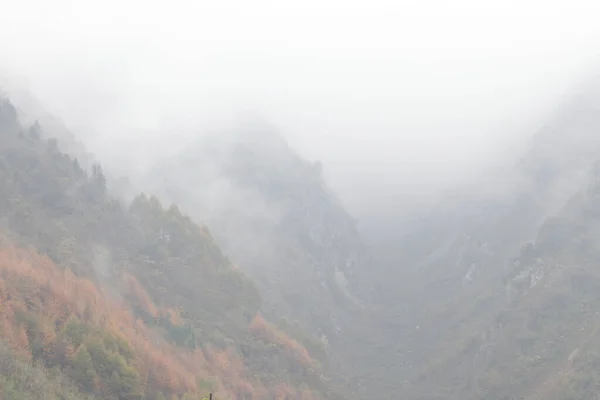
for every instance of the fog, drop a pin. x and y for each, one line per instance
(399, 99)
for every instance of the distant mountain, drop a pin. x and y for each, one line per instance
(274, 214)
(456, 269)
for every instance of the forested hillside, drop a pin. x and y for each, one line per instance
(20, 380)
(128, 301)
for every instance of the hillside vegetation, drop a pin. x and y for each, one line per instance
(129, 301)
(25, 381)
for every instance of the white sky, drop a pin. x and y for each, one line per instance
(395, 97)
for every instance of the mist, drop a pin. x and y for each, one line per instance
(399, 100)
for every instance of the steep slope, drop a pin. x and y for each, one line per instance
(274, 215)
(452, 266)
(137, 289)
(540, 342)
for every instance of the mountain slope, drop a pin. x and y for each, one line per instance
(463, 333)
(273, 213)
(541, 342)
(147, 289)
(490, 294)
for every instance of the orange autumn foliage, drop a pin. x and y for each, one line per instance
(269, 333)
(29, 281)
(143, 299)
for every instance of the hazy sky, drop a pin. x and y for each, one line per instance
(393, 96)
